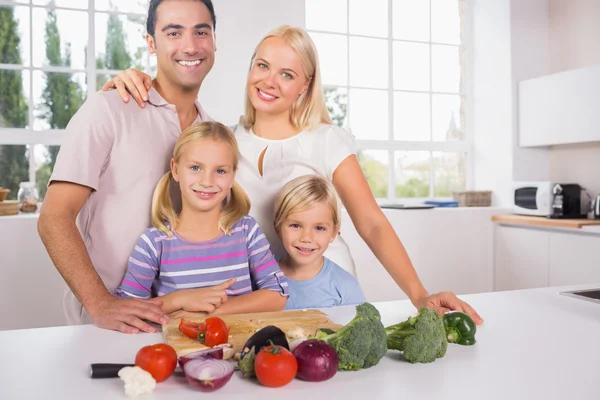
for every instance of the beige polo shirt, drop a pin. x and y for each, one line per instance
(120, 151)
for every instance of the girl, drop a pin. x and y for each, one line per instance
(195, 259)
(307, 219)
(287, 132)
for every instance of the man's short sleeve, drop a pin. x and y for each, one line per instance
(340, 145)
(89, 138)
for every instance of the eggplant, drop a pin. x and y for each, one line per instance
(267, 336)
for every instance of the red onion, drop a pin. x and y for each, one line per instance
(317, 360)
(213, 353)
(207, 374)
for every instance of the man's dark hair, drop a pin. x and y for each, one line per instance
(151, 21)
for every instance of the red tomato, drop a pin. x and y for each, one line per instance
(275, 366)
(211, 332)
(159, 360)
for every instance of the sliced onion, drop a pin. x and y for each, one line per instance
(207, 374)
(213, 353)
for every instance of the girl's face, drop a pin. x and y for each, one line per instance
(276, 78)
(307, 234)
(205, 173)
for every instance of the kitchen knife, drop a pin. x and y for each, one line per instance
(106, 370)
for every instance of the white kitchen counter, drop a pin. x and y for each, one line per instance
(534, 344)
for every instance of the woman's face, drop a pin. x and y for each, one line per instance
(276, 78)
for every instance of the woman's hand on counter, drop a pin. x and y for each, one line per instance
(444, 302)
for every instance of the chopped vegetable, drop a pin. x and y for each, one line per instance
(317, 360)
(275, 366)
(361, 343)
(460, 328)
(208, 374)
(210, 332)
(159, 360)
(422, 338)
(137, 381)
(214, 353)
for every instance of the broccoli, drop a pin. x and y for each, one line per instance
(361, 343)
(422, 338)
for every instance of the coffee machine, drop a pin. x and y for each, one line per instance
(568, 201)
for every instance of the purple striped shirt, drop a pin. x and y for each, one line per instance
(160, 264)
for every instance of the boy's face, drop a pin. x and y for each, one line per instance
(184, 42)
(307, 234)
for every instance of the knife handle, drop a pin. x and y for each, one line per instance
(106, 370)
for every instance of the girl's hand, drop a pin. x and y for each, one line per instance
(204, 299)
(131, 81)
(447, 301)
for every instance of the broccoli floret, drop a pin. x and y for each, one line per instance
(422, 338)
(361, 343)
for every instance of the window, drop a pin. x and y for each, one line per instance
(395, 74)
(53, 53)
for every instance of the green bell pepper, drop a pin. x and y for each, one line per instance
(460, 328)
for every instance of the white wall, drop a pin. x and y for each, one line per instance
(240, 26)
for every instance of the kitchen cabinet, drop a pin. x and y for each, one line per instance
(520, 258)
(526, 257)
(560, 108)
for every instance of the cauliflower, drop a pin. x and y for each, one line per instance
(137, 381)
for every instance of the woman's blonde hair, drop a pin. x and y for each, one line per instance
(309, 110)
(238, 204)
(303, 193)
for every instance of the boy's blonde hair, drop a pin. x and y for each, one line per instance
(303, 193)
(238, 204)
(309, 110)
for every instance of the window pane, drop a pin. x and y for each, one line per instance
(411, 66)
(124, 46)
(445, 21)
(450, 173)
(372, 70)
(412, 116)
(14, 168)
(45, 158)
(445, 75)
(412, 173)
(411, 20)
(57, 97)
(59, 38)
(369, 114)
(336, 100)
(82, 4)
(375, 165)
(129, 6)
(14, 38)
(447, 118)
(14, 92)
(369, 18)
(333, 56)
(328, 16)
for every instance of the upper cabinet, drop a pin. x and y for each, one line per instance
(562, 108)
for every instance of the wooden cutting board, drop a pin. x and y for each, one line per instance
(242, 326)
(543, 221)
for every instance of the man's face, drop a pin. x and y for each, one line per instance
(184, 42)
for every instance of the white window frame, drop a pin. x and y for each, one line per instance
(53, 137)
(391, 145)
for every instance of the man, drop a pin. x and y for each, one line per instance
(99, 196)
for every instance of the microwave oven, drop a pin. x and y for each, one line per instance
(549, 199)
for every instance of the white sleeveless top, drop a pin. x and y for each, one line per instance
(317, 152)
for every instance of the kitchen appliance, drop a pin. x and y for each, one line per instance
(596, 208)
(550, 199)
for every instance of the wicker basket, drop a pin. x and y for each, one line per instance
(473, 198)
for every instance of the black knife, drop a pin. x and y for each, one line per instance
(106, 370)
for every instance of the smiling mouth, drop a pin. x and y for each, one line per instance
(266, 96)
(304, 249)
(189, 63)
(204, 194)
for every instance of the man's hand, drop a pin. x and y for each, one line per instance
(128, 315)
(204, 299)
(447, 301)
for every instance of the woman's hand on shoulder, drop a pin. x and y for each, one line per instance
(131, 82)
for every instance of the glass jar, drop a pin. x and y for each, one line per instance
(28, 197)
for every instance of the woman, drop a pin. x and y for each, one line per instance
(287, 132)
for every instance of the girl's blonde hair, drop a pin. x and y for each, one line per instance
(309, 110)
(238, 204)
(303, 193)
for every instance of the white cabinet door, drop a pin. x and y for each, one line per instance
(574, 259)
(521, 258)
